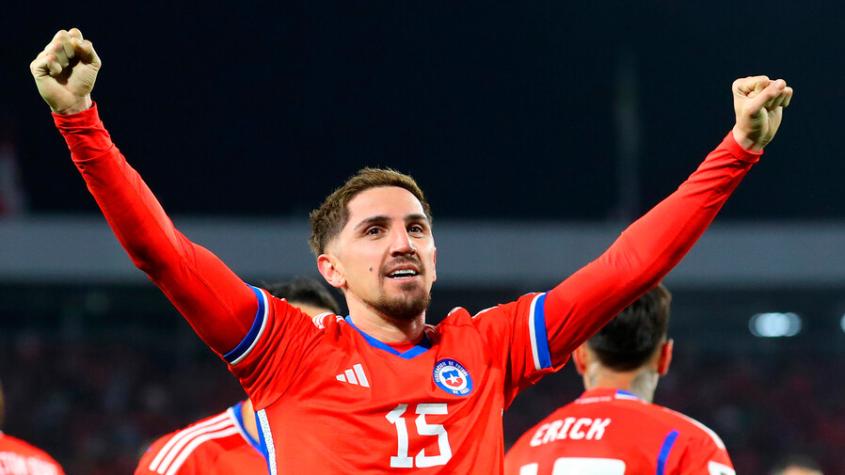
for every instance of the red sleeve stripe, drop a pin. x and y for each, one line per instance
(172, 449)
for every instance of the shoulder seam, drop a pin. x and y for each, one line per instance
(701, 426)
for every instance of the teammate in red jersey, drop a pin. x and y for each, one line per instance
(381, 391)
(228, 442)
(20, 458)
(613, 428)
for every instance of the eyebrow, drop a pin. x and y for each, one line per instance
(382, 220)
(416, 217)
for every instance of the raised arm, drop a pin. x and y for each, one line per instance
(219, 306)
(646, 251)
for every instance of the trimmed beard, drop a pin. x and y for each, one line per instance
(404, 308)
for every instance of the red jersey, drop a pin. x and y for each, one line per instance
(613, 432)
(215, 445)
(19, 458)
(332, 399)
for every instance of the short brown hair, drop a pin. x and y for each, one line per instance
(632, 337)
(329, 219)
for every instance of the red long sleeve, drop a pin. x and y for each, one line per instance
(645, 252)
(218, 305)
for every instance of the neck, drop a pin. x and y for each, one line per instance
(641, 381)
(248, 416)
(383, 327)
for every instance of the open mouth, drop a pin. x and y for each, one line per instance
(403, 274)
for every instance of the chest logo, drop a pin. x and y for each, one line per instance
(452, 377)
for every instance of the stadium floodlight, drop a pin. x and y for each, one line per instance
(842, 322)
(775, 324)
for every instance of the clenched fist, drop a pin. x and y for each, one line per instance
(758, 104)
(65, 72)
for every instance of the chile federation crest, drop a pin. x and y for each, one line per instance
(452, 377)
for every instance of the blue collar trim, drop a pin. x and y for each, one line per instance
(417, 350)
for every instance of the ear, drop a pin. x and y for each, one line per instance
(330, 270)
(581, 358)
(665, 358)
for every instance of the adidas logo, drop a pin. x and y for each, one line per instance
(354, 376)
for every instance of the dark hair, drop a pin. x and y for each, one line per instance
(306, 291)
(795, 460)
(329, 219)
(633, 336)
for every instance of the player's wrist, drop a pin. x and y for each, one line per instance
(83, 104)
(745, 141)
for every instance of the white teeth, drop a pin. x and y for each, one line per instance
(403, 273)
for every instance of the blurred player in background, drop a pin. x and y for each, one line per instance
(797, 465)
(422, 398)
(228, 442)
(613, 428)
(19, 458)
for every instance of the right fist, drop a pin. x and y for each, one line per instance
(758, 104)
(65, 72)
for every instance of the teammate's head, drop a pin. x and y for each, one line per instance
(797, 465)
(632, 351)
(376, 224)
(308, 295)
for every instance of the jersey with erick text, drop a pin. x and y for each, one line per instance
(20, 458)
(331, 399)
(613, 432)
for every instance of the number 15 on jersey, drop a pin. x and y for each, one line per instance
(402, 459)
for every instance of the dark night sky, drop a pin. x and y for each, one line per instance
(499, 110)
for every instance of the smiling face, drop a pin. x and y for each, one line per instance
(384, 256)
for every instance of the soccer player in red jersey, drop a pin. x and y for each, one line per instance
(613, 428)
(228, 442)
(20, 458)
(380, 390)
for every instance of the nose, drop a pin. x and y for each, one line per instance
(401, 243)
